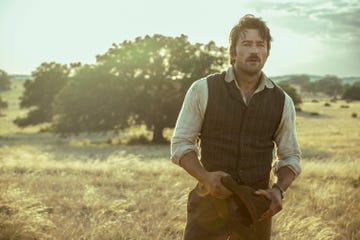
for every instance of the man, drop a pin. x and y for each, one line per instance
(239, 115)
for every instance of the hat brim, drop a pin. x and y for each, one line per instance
(256, 205)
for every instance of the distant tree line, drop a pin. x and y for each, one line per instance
(330, 85)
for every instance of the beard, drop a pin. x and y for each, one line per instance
(249, 69)
(251, 66)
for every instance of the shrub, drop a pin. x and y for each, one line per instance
(292, 92)
(352, 93)
(3, 104)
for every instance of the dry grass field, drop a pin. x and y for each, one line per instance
(85, 188)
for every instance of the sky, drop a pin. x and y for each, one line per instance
(310, 36)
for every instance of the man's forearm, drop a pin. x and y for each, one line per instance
(210, 181)
(285, 177)
(191, 164)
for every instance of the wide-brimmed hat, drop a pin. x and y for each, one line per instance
(251, 205)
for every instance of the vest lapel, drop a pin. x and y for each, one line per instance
(234, 91)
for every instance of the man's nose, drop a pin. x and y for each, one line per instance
(254, 49)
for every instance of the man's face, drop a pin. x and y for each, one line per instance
(250, 52)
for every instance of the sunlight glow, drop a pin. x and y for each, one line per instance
(76, 31)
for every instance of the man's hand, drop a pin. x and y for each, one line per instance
(210, 181)
(274, 196)
(285, 177)
(212, 184)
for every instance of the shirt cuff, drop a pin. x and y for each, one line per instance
(181, 151)
(292, 163)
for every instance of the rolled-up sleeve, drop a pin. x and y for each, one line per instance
(189, 122)
(288, 151)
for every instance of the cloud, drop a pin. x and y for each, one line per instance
(344, 21)
(336, 20)
(318, 36)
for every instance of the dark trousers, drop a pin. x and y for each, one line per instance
(209, 218)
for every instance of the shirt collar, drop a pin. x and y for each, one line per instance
(264, 80)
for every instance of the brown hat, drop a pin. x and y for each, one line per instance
(250, 205)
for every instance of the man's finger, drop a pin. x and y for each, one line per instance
(223, 174)
(264, 193)
(273, 209)
(222, 192)
(225, 189)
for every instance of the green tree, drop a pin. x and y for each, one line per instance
(353, 92)
(144, 80)
(49, 79)
(5, 83)
(292, 92)
(330, 85)
(92, 101)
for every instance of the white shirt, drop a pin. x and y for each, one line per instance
(192, 114)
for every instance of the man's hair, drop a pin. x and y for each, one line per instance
(248, 21)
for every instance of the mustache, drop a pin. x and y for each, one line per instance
(252, 58)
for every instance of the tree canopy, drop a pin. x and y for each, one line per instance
(141, 81)
(49, 79)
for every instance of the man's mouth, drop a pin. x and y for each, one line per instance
(253, 60)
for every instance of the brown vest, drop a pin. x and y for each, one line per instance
(236, 138)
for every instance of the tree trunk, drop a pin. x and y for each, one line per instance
(158, 135)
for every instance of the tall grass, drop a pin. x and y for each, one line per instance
(86, 188)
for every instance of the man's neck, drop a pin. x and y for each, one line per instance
(247, 82)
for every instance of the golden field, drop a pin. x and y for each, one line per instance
(82, 187)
